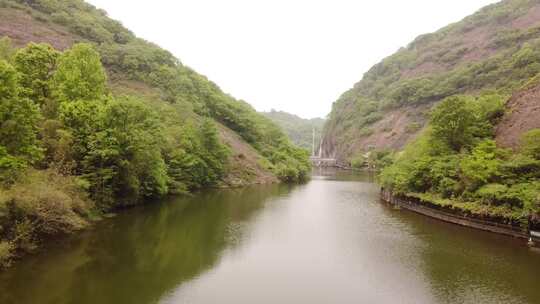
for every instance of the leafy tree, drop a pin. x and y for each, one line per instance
(36, 64)
(196, 157)
(80, 75)
(19, 119)
(482, 165)
(124, 159)
(451, 121)
(215, 153)
(81, 120)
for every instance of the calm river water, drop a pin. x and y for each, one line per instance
(328, 241)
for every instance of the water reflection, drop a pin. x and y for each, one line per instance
(139, 255)
(469, 266)
(328, 241)
(336, 174)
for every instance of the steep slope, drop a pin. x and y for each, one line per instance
(523, 115)
(497, 48)
(299, 130)
(135, 67)
(94, 119)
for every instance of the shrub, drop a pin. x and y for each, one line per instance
(530, 144)
(482, 165)
(492, 193)
(43, 203)
(358, 161)
(287, 173)
(525, 195)
(6, 253)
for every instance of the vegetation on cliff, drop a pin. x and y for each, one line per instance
(456, 161)
(495, 49)
(77, 139)
(441, 98)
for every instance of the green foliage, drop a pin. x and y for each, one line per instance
(451, 122)
(18, 125)
(358, 161)
(67, 142)
(6, 254)
(525, 195)
(299, 130)
(35, 64)
(121, 146)
(80, 75)
(482, 165)
(123, 160)
(376, 160)
(531, 144)
(10, 167)
(492, 194)
(195, 157)
(495, 56)
(42, 203)
(180, 85)
(291, 164)
(471, 171)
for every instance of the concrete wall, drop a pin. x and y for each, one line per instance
(413, 204)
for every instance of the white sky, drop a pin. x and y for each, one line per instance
(291, 55)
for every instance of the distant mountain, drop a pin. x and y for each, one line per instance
(299, 130)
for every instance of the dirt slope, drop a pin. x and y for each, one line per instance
(245, 165)
(22, 28)
(523, 115)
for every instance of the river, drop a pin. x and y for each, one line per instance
(328, 241)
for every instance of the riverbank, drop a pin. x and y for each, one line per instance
(522, 229)
(45, 206)
(326, 241)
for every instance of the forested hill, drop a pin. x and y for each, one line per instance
(299, 130)
(497, 49)
(93, 118)
(453, 119)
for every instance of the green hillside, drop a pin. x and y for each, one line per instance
(462, 104)
(95, 119)
(299, 130)
(496, 49)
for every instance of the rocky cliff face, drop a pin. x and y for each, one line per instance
(523, 114)
(497, 48)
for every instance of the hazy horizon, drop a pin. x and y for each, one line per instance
(297, 57)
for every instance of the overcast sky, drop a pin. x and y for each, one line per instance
(291, 55)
